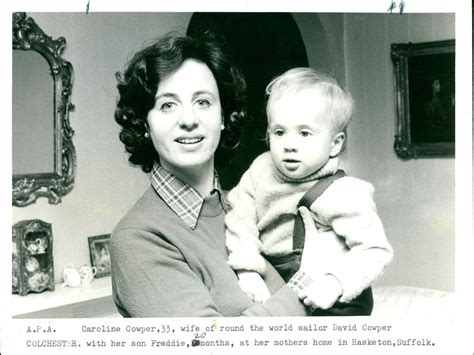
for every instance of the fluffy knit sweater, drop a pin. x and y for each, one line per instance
(351, 244)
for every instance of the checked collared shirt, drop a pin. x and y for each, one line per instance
(182, 198)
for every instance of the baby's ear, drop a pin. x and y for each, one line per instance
(337, 144)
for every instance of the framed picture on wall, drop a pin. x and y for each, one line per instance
(425, 98)
(100, 254)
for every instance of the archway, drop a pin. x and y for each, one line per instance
(264, 45)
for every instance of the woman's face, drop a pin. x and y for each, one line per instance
(185, 123)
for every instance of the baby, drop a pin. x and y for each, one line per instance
(308, 113)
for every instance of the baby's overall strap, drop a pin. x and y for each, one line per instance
(307, 200)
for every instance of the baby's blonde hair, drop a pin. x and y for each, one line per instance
(339, 101)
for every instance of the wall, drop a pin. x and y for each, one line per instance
(323, 35)
(415, 198)
(97, 45)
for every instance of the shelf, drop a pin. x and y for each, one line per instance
(61, 296)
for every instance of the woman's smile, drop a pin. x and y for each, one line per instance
(187, 145)
(189, 140)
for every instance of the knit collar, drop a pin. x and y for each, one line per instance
(183, 199)
(327, 169)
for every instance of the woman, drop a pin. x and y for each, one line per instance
(180, 108)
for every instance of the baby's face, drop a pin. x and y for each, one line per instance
(302, 136)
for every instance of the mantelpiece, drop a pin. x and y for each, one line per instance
(87, 301)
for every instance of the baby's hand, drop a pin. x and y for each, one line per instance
(253, 285)
(322, 293)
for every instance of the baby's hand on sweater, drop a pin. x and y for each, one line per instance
(322, 293)
(253, 286)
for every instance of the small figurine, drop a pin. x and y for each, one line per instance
(31, 264)
(38, 281)
(87, 274)
(71, 276)
(42, 244)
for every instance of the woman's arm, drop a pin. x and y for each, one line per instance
(151, 278)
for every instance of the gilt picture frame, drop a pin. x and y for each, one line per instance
(424, 79)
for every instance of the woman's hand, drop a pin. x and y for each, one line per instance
(322, 293)
(325, 289)
(309, 258)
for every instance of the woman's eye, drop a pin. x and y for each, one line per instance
(203, 103)
(167, 106)
(305, 133)
(278, 132)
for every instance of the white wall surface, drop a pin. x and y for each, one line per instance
(415, 198)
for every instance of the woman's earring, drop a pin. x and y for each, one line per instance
(146, 135)
(222, 126)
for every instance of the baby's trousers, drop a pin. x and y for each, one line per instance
(362, 305)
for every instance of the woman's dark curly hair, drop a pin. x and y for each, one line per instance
(138, 84)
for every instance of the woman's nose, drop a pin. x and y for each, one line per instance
(188, 120)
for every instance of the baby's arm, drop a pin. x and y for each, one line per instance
(348, 207)
(242, 240)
